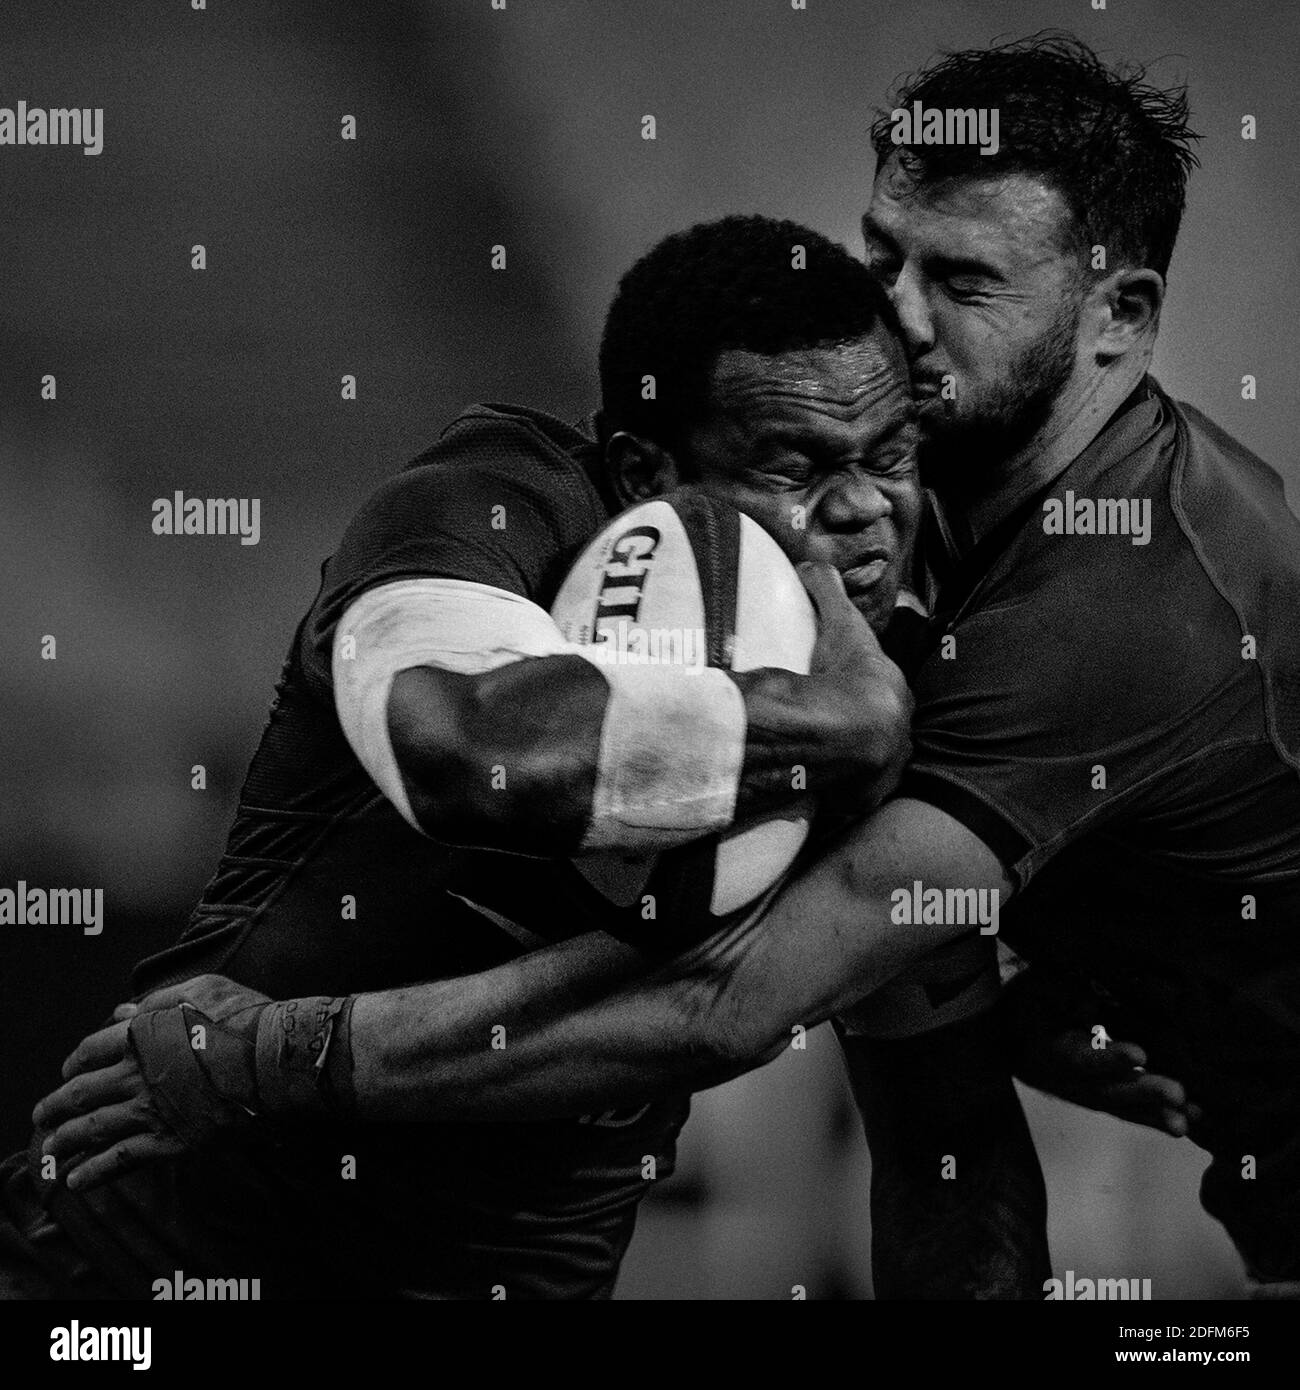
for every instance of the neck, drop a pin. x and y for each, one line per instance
(1078, 416)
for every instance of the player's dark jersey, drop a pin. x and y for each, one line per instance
(325, 889)
(1118, 717)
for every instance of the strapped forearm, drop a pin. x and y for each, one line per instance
(483, 726)
(556, 756)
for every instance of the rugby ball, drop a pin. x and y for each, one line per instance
(679, 580)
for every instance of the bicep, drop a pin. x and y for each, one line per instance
(405, 657)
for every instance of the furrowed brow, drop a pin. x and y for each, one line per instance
(815, 445)
(904, 420)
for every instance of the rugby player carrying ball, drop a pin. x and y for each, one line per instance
(430, 652)
(1107, 733)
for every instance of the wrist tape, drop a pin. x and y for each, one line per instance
(206, 1075)
(304, 1056)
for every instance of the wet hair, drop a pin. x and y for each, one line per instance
(1117, 149)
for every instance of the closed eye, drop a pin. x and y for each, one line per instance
(963, 277)
(781, 468)
(965, 289)
(896, 460)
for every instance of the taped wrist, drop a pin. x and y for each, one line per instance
(672, 745)
(304, 1056)
(201, 1073)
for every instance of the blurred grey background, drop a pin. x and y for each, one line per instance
(325, 257)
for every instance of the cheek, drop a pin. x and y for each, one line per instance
(907, 512)
(905, 505)
(969, 341)
(788, 524)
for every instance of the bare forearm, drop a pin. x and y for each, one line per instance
(586, 1025)
(576, 1027)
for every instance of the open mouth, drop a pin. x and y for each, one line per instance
(862, 577)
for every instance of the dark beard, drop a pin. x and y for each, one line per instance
(962, 455)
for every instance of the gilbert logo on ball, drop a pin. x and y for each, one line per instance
(615, 633)
(687, 580)
(619, 599)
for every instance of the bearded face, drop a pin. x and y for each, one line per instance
(989, 296)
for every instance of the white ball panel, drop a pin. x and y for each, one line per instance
(750, 861)
(665, 580)
(775, 621)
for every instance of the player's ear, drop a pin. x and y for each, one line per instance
(1128, 305)
(638, 468)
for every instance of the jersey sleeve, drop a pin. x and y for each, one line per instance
(495, 502)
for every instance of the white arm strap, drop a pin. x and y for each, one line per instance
(673, 738)
(671, 750)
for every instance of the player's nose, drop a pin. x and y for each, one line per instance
(854, 503)
(913, 312)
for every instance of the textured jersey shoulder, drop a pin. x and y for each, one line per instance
(504, 454)
(497, 432)
(506, 497)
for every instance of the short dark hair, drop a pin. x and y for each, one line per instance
(715, 287)
(1117, 149)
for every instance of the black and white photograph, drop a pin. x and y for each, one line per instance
(651, 652)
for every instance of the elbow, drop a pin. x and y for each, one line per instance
(469, 782)
(434, 726)
(451, 808)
